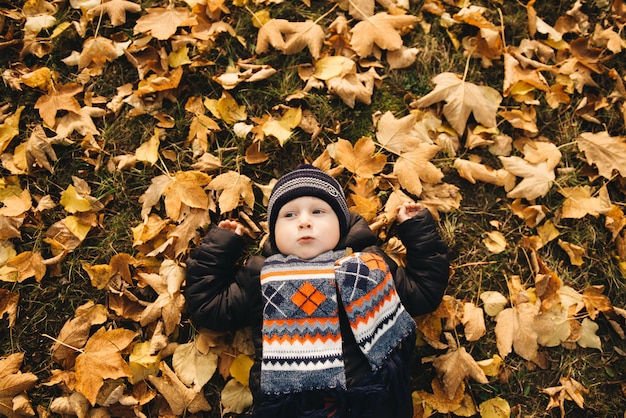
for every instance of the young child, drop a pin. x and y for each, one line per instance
(330, 311)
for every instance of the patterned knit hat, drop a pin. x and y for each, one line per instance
(307, 180)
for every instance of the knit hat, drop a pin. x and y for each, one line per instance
(307, 180)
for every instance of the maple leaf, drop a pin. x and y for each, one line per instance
(162, 22)
(178, 396)
(354, 86)
(115, 9)
(233, 187)
(183, 189)
(382, 30)
(570, 390)
(13, 387)
(454, 367)
(80, 122)
(96, 52)
(473, 322)
(281, 129)
(58, 99)
(148, 151)
(360, 159)
(398, 135)
(39, 149)
(290, 37)
(607, 152)
(538, 178)
(75, 331)
(101, 359)
(414, 167)
(463, 98)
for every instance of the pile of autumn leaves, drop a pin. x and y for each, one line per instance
(115, 371)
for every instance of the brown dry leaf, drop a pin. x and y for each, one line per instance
(233, 188)
(569, 390)
(13, 386)
(58, 99)
(10, 128)
(179, 397)
(473, 171)
(515, 330)
(575, 252)
(519, 80)
(596, 302)
(439, 399)
(39, 150)
(462, 99)
(97, 51)
(537, 178)
(162, 22)
(291, 37)
(495, 242)
(169, 304)
(8, 305)
(183, 190)
(607, 152)
(397, 135)
(115, 9)
(80, 122)
(454, 367)
(414, 167)
(75, 332)
(192, 366)
(473, 322)
(381, 30)
(354, 87)
(361, 160)
(101, 359)
(28, 264)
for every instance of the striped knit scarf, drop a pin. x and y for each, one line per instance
(302, 345)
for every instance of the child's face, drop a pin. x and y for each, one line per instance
(306, 227)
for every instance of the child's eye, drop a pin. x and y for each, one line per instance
(289, 214)
(318, 211)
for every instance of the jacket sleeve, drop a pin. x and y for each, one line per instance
(421, 284)
(220, 293)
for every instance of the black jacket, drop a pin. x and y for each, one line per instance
(223, 295)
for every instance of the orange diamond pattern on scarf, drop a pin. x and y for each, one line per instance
(373, 262)
(308, 298)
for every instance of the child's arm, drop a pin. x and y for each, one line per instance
(422, 283)
(219, 292)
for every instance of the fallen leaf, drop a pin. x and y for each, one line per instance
(607, 152)
(361, 159)
(290, 37)
(179, 397)
(462, 99)
(101, 359)
(162, 22)
(233, 188)
(381, 30)
(235, 397)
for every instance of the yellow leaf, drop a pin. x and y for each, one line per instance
(232, 187)
(193, 367)
(495, 408)
(179, 57)
(240, 369)
(491, 366)
(10, 128)
(142, 362)
(73, 202)
(101, 359)
(495, 242)
(77, 227)
(333, 66)
(463, 98)
(235, 397)
(360, 160)
(493, 302)
(281, 129)
(149, 150)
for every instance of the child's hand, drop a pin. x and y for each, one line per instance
(407, 210)
(233, 226)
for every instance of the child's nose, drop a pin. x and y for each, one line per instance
(305, 220)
